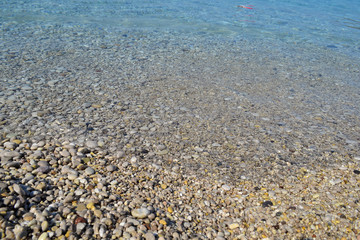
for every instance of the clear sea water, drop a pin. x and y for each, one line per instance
(296, 59)
(328, 23)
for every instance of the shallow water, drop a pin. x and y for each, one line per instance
(333, 24)
(287, 62)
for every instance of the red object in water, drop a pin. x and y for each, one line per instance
(241, 6)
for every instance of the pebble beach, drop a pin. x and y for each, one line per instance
(147, 135)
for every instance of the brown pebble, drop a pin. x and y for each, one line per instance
(79, 219)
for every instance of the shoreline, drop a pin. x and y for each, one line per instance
(226, 140)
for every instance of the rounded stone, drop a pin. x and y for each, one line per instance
(91, 144)
(89, 171)
(140, 213)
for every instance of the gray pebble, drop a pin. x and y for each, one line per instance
(111, 168)
(80, 227)
(89, 171)
(140, 213)
(19, 190)
(91, 144)
(149, 236)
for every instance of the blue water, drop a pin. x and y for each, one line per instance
(330, 23)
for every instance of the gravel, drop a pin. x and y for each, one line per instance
(142, 135)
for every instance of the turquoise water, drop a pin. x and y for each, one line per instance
(332, 23)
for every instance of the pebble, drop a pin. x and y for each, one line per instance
(267, 204)
(44, 226)
(233, 226)
(80, 227)
(8, 155)
(140, 213)
(91, 144)
(19, 190)
(19, 232)
(226, 187)
(110, 168)
(89, 171)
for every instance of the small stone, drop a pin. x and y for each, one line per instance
(198, 149)
(10, 145)
(140, 213)
(89, 171)
(149, 236)
(38, 154)
(64, 153)
(79, 219)
(163, 222)
(91, 144)
(13, 164)
(8, 155)
(233, 226)
(19, 190)
(58, 232)
(267, 204)
(356, 171)
(43, 164)
(17, 141)
(80, 227)
(43, 169)
(44, 226)
(19, 232)
(97, 213)
(91, 206)
(72, 176)
(163, 152)
(226, 187)
(111, 168)
(335, 181)
(81, 207)
(43, 236)
(40, 186)
(69, 198)
(133, 159)
(170, 210)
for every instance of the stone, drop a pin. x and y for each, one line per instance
(140, 213)
(19, 190)
(37, 154)
(10, 145)
(80, 207)
(226, 187)
(80, 227)
(44, 226)
(19, 232)
(40, 186)
(13, 164)
(91, 144)
(111, 168)
(44, 236)
(43, 169)
(72, 176)
(69, 198)
(267, 204)
(89, 171)
(8, 155)
(97, 213)
(233, 226)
